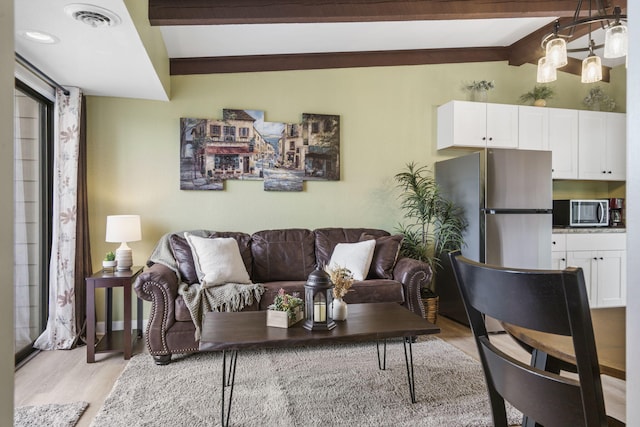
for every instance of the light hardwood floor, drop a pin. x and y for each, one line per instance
(63, 376)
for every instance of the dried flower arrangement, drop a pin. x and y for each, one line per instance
(286, 302)
(598, 100)
(342, 279)
(479, 85)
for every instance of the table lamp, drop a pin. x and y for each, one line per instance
(123, 229)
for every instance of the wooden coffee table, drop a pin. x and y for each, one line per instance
(232, 332)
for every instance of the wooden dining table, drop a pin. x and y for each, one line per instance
(609, 333)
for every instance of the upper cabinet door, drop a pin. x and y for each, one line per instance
(533, 128)
(592, 135)
(602, 146)
(616, 146)
(563, 143)
(502, 126)
(462, 124)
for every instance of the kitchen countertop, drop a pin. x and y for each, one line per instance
(586, 230)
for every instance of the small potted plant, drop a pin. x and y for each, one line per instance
(539, 95)
(478, 90)
(285, 311)
(109, 261)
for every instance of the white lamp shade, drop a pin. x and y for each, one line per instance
(556, 52)
(591, 69)
(123, 228)
(546, 72)
(616, 41)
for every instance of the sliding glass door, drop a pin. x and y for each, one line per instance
(32, 201)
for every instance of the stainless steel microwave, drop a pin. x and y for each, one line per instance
(581, 213)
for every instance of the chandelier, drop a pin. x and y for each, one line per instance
(554, 44)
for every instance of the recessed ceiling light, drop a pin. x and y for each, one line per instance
(39, 36)
(91, 15)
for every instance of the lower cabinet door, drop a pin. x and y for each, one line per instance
(612, 271)
(585, 260)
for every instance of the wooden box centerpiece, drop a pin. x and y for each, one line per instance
(285, 311)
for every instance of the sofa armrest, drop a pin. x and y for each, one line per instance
(158, 284)
(414, 275)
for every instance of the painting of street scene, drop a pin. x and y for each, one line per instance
(243, 146)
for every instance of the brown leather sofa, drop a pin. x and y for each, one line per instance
(278, 259)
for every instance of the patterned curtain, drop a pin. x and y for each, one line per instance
(61, 331)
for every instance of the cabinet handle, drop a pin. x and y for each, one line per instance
(601, 258)
(604, 171)
(553, 243)
(609, 172)
(490, 139)
(484, 138)
(563, 259)
(595, 258)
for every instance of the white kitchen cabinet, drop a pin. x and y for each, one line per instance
(558, 251)
(602, 146)
(563, 143)
(533, 128)
(602, 257)
(477, 124)
(616, 146)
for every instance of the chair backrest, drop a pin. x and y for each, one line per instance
(543, 300)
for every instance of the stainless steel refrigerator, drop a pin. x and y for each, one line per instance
(506, 196)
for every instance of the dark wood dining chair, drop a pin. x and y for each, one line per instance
(543, 300)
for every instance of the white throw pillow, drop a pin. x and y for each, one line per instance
(354, 256)
(217, 261)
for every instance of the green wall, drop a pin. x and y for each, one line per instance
(388, 117)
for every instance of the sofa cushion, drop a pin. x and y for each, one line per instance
(217, 260)
(182, 253)
(355, 257)
(287, 254)
(328, 238)
(244, 244)
(385, 255)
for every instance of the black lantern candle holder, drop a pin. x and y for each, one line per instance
(317, 299)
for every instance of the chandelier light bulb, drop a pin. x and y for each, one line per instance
(556, 52)
(616, 41)
(546, 72)
(591, 69)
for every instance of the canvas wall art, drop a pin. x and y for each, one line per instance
(243, 146)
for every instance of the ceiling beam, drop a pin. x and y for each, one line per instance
(218, 12)
(239, 64)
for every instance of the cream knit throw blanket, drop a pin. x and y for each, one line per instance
(228, 297)
(201, 299)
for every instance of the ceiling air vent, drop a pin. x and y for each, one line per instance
(91, 15)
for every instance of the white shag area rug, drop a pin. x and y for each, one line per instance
(54, 415)
(336, 385)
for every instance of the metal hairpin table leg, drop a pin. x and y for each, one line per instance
(382, 365)
(408, 358)
(228, 379)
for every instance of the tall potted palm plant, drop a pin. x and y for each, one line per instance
(433, 224)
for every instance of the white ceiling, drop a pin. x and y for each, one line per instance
(112, 61)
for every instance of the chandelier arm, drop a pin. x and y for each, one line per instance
(583, 21)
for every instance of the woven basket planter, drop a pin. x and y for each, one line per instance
(430, 301)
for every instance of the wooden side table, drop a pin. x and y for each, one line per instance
(112, 341)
